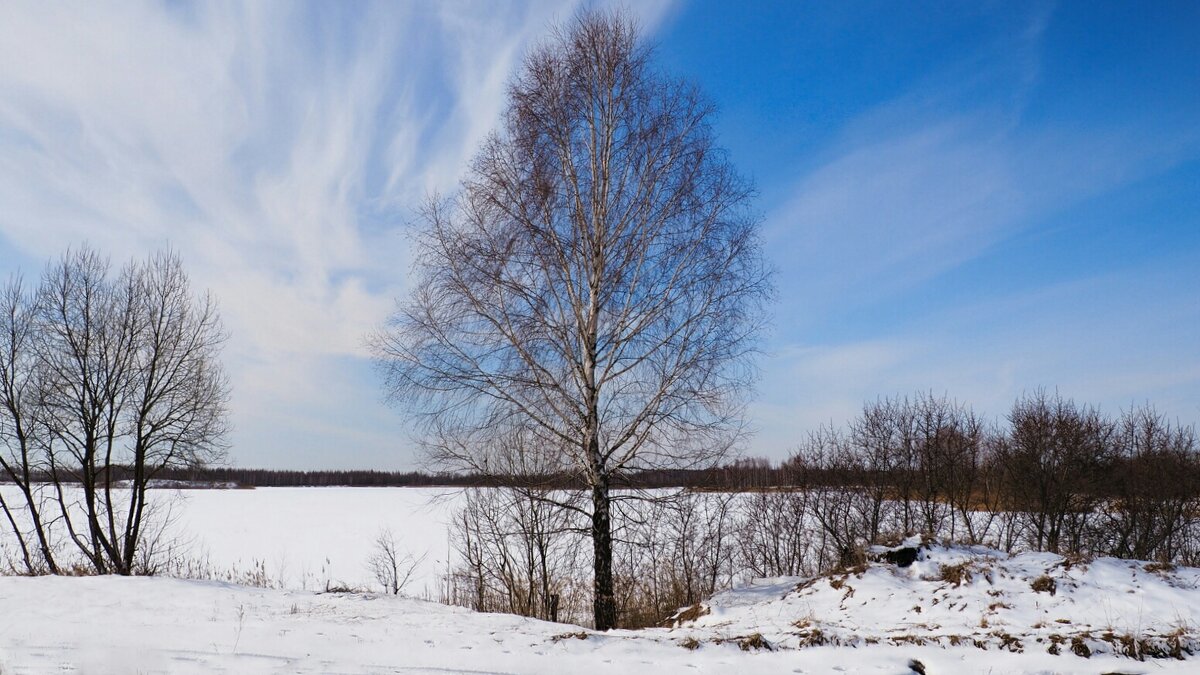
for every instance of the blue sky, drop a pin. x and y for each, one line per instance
(977, 199)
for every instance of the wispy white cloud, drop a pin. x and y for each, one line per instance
(931, 181)
(926, 182)
(280, 147)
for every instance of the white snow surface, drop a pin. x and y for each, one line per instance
(963, 595)
(300, 538)
(310, 538)
(159, 625)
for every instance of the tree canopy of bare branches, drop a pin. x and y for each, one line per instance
(105, 380)
(597, 282)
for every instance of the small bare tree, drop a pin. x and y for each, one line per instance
(841, 510)
(178, 391)
(392, 569)
(874, 443)
(598, 280)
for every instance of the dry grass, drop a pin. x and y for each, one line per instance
(754, 641)
(956, 575)
(1008, 641)
(812, 637)
(1044, 584)
(687, 615)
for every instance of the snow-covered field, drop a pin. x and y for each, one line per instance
(157, 625)
(304, 538)
(308, 538)
(955, 610)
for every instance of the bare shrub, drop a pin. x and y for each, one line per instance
(391, 568)
(674, 551)
(1058, 454)
(519, 554)
(1155, 490)
(1044, 584)
(775, 532)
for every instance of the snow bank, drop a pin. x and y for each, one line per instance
(111, 625)
(953, 596)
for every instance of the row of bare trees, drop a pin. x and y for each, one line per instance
(106, 379)
(1055, 476)
(1058, 476)
(520, 552)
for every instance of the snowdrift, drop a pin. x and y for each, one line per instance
(923, 593)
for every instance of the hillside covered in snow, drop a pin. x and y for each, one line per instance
(952, 596)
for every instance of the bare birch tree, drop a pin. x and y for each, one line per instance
(597, 281)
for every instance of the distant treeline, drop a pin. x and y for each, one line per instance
(743, 474)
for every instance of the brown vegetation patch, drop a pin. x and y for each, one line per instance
(1008, 641)
(845, 571)
(1055, 641)
(1044, 584)
(688, 614)
(578, 635)
(1075, 560)
(807, 583)
(812, 637)
(956, 574)
(690, 643)
(342, 589)
(754, 641)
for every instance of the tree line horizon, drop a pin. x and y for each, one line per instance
(741, 472)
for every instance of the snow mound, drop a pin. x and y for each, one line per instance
(929, 594)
